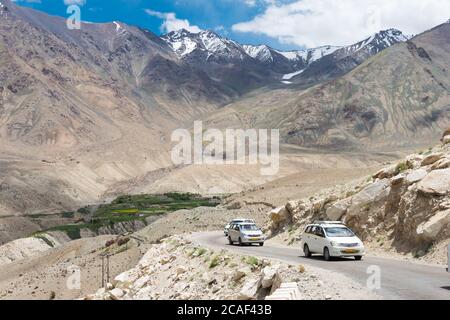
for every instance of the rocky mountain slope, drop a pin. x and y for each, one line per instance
(180, 269)
(87, 113)
(340, 60)
(222, 59)
(399, 97)
(404, 208)
(83, 109)
(243, 67)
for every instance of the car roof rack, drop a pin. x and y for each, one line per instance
(328, 222)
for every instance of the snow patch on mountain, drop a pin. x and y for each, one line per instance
(120, 29)
(117, 25)
(309, 55)
(289, 76)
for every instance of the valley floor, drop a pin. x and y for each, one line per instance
(45, 275)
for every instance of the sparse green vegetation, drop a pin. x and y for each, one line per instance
(133, 208)
(402, 166)
(252, 261)
(72, 230)
(44, 238)
(68, 214)
(350, 193)
(215, 261)
(84, 210)
(199, 252)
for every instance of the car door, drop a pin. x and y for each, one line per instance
(311, 239)
(320, 240)
(306, 236)
(235, 232)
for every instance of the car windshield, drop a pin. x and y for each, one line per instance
(339, 232)
(249, 227)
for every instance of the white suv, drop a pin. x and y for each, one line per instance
(245, 233)
(332, 239)
(236, 221)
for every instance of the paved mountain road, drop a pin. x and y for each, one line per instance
(399, 279)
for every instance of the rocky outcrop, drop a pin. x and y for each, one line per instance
(179, 269)
(287, 291)
(433, 226)
(26, 248)
(375, 192)
(122, 227)
(279, 217)
(337, 210)
(407, 203)
(437, 182)
(250, 289)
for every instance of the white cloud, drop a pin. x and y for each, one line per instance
(76, 2)
(250, 3)
(312, 23)
(172, 23)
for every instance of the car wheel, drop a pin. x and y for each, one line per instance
(230, 241)
(326, 254)
(358, 258)
(240, 241)
(306, 251)
(261, 244)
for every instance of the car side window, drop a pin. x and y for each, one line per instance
(319, 232)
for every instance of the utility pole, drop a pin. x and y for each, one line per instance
(107, 270)
(103, 271)
(448, 258)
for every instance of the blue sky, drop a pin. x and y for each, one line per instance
(282, 24)
(216, 15)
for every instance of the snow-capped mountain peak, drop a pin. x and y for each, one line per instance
(379, 41)
(185, 43)
(216, 44)
(181, 42)
(262, 52)
(207, 46)
(309, 55)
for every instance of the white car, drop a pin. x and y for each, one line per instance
(234, 221)
(245, 233)
(331, 239)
